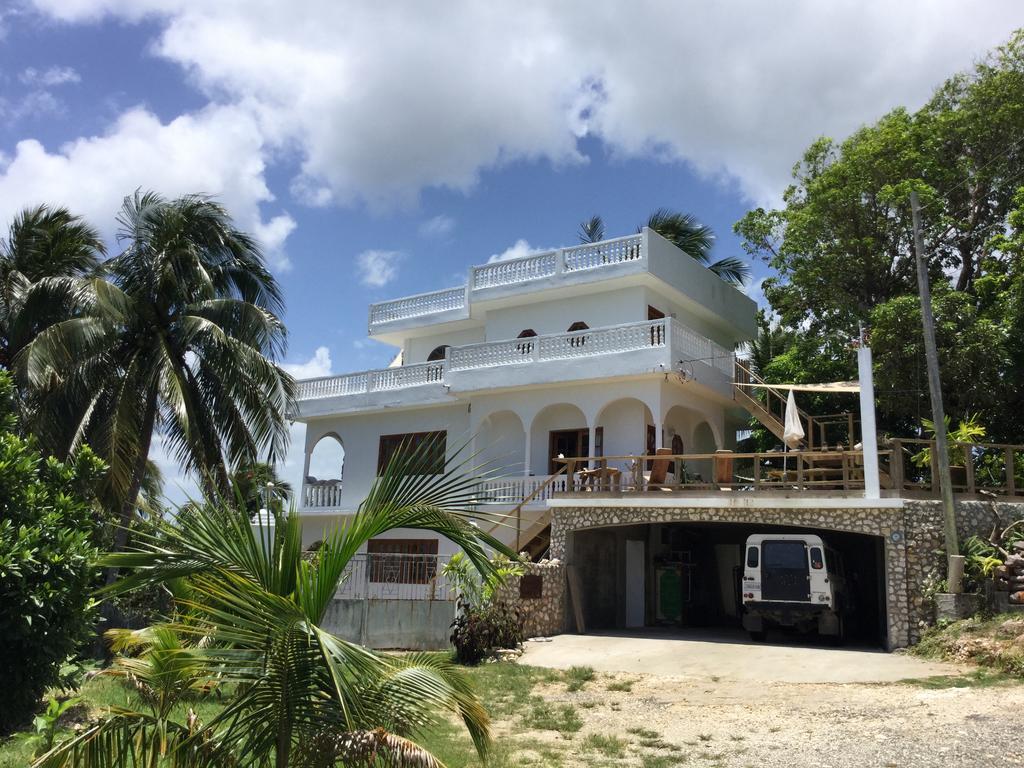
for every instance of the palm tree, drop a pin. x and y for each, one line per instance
(178, 334)
(44, 246)
(251, 613)
(258, 486)
(685, 233)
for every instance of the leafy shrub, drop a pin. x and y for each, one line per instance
(480, 630)
(483, 624)
(46, 565)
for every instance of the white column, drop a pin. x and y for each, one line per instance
(527, 451)
(593, 440)
(869, 437)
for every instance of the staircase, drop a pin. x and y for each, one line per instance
(771, 412)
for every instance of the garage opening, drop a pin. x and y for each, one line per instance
(688, 575)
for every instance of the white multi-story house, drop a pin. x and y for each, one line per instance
(610, 349)
(608, 355)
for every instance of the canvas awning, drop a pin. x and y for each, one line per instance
(831, 386)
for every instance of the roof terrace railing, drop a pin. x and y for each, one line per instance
(506, 272)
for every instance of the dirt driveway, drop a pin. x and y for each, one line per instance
(734, 705)
(727, 655)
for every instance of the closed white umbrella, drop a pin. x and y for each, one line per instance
(793, 431)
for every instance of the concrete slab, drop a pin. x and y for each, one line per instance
(727, 655)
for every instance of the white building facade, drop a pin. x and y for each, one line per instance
(609, 349)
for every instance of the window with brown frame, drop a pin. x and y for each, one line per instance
(433, 444)
(401, 561)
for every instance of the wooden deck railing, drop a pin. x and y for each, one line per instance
(994, 470)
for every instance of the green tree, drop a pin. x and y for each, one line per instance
(47, 564)
(178, 336)
(42, 246)
(687, 234)
(842, 245)
(251, 617)
(258, 486)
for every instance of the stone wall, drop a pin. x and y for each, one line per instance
(912, 536)
(542, 616)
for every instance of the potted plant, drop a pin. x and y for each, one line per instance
(959, 441)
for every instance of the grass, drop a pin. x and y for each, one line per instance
(621, 685)
(992, 642)
(978, 678)
(577, 677)
(509, 692)
(609, 746)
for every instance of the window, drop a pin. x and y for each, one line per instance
(430, 447)
(531, 586)
(526, 347)
(577, 341)
(817, 562)
(401, 561)
(786, 555)
(437, 353)
(751, 557)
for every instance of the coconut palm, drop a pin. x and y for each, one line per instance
(178, 335)
(44, 245)
(685, 233)
(252, 610)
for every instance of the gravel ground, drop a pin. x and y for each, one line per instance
(668, 721)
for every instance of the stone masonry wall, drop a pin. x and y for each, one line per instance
(912, 535)
(542, 616)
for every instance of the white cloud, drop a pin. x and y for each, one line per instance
(48, 78)
(438, 226)
(318, 365)
(384, 99)
(517, 250)
(218, 151)
(32, 104)
(377, 268)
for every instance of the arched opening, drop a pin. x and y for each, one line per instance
(703, 442)
(625, 428)
(437, 353)
(526, 347)
(581, 339)
(501, 443)
(558, 429)
(677, 429)
(323, 481)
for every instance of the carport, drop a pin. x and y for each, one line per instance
(686, 575)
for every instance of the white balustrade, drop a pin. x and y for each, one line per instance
(329, 386)
(603, 254)
(403, 376)
(512, 490)
(420, 304)
(688, 345)
(322, 494)
(490, 354)
(512, 271)
(602, 341)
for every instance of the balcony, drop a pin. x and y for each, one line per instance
(649, 346)
(565, 266)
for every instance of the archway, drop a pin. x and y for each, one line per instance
(501, 444)
(324, 472)
(625, 427)
(703, 442)
(558, 428)
(437, 353)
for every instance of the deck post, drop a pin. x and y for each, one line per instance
(868, 433)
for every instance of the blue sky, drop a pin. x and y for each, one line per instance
(380, 149)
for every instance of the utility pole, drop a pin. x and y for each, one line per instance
(954, 560)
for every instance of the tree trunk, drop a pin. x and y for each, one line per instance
(130, 502)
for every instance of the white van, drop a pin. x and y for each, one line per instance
(792, 580)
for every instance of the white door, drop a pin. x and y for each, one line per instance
(635, 568)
